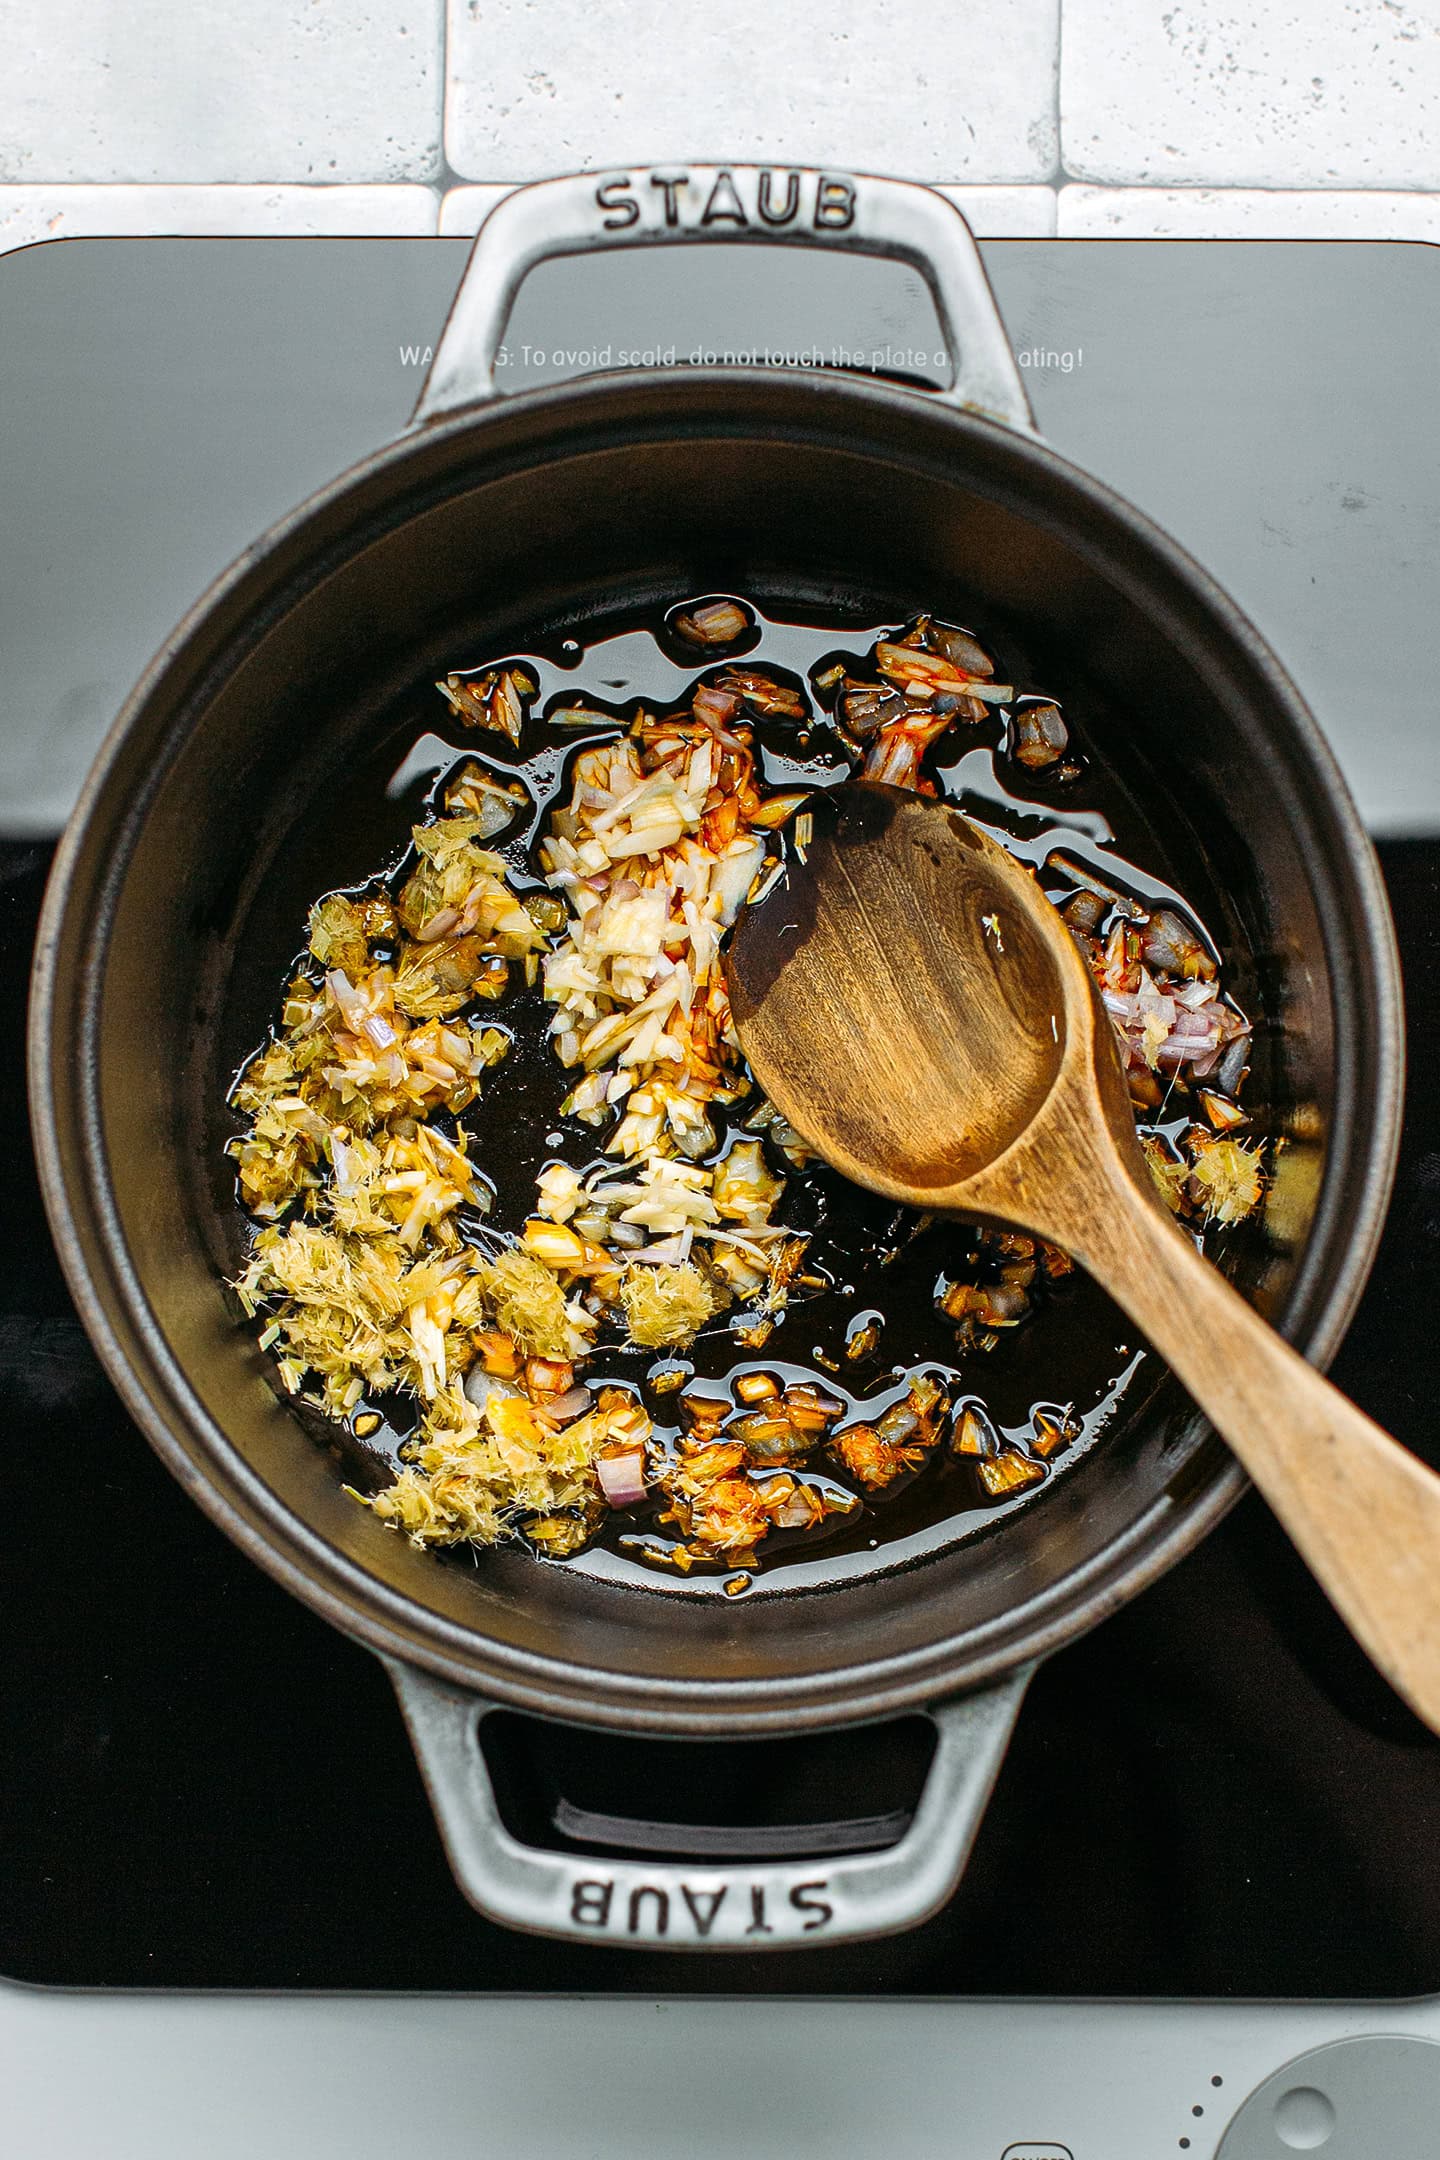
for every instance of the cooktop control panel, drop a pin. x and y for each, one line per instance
(307, 2077)
(1373, 2098)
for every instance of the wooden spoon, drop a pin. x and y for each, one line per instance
(915, 1006)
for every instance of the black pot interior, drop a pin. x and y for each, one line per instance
(216, 826)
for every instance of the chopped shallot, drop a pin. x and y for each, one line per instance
(718, 622)
(622, 1477)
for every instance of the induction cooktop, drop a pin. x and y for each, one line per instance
(1213, 1796)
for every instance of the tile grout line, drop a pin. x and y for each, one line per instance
(446, 176)
(1060, 175)
(447, 180)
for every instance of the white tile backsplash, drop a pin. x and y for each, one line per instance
(220, 90)
(72, 213)
(939, 89)
(1154, 117)
(1252, 93)
(1138, 213)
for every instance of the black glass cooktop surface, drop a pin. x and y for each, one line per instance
(202, 1785)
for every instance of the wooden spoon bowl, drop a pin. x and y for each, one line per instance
(926, 1106)
(914, 1005)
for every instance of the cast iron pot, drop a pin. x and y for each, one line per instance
(184, 871)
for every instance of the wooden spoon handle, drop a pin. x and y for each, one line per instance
(1363, 1511)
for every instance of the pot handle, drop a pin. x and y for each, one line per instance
(663, 205)
(672, 1905)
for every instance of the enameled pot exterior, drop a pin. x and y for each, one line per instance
(501, 516)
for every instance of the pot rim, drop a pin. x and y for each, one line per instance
(276, 569)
